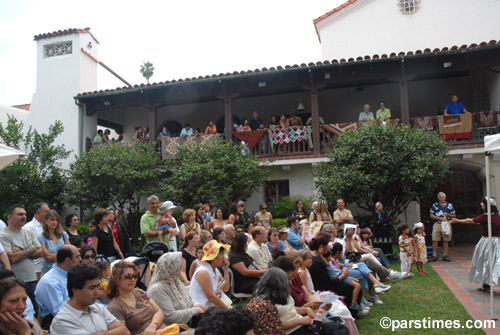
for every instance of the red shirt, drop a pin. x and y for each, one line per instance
(116, 236)
(495, 224)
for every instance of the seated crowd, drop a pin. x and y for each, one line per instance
(72, 284)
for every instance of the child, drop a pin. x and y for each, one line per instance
(421, 256)
(407, 246)
(105, 272)
(305, 258)
(164, 221)
(343, 275)
(194, 265)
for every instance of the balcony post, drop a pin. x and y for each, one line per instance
(315, 121)
(403, 98)
(228, 118)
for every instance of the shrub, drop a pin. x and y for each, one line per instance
(283, 209)
(280, 222)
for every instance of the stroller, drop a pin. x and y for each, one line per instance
(153, 250)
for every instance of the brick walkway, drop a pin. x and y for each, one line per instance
(455, 274)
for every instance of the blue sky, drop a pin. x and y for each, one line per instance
(181, 38)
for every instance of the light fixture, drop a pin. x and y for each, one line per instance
(89, 45)
(107, 103)
(300, 107)
(327, 75)
(262, 84)
(447, 64)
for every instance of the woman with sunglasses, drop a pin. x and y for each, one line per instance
(264, 217)
(131, 305)
(88, 255)
(273, 240)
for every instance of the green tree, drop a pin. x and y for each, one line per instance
(395, 165)
(147, 70)
(38, 176)
(213, 172)
(116, 174)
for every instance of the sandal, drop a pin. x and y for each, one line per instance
(484, 288)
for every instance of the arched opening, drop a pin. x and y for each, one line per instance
(220, 122)
(173, 126)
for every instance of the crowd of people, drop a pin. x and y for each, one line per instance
(320, 262)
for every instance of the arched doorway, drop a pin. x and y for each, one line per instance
(173, 126)
(220, 122)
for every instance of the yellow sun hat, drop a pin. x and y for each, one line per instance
(211, 250)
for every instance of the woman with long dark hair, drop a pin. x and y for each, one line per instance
(246, 273)
(75, 237)
(480, 264)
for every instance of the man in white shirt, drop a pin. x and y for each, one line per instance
(81, 315)
(39, 211)
(2, 225)
(257, 248)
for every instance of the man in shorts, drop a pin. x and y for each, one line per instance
(441, 211)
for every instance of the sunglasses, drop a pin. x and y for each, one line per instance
(130, 276)
(264, 208)
(89, 257)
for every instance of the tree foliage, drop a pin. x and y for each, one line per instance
(213, 172)
(392, 164)
(147, 70)
(38, 176)
(115, 174)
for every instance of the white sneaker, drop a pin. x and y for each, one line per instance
(379, 289)
(362, 313)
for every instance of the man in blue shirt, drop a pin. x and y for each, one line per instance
(187, 130)
(51, 291)
(440, 211)
(455, 107)
(297, 234)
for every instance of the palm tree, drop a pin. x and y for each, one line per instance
(147, 70)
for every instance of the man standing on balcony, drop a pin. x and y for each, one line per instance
(440, 211)
(255, 122)
(366, 114)
(455, 107)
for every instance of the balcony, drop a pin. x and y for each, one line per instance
(463, 131)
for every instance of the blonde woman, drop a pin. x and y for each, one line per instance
(189, 224)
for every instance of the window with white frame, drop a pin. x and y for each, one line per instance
(409, 7)
(58, 49)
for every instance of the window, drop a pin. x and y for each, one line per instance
(276, 190)
(409, 7)
(59, 49)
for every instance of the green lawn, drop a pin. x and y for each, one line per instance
(417, 299)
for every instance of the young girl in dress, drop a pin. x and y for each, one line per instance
(421, 256)
(305, 258)
(407, 247)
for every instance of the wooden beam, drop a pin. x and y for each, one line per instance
(315, 121)
(228, 118)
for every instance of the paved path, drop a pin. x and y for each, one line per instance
(455, 275)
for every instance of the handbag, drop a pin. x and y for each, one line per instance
(445, 228)
(173, 329)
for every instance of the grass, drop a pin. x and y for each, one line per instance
(422, 297)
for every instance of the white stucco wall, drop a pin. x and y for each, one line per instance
(300, 181)
(370, 27)
(5, 111)
(59, 79)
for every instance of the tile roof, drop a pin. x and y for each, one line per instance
(26, 107)
(68, 31)
(330, 13)
(342, 61)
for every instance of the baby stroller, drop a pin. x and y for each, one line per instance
(153, 250)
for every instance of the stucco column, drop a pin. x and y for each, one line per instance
(228, 119)
(152, 122)
(315, 121)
